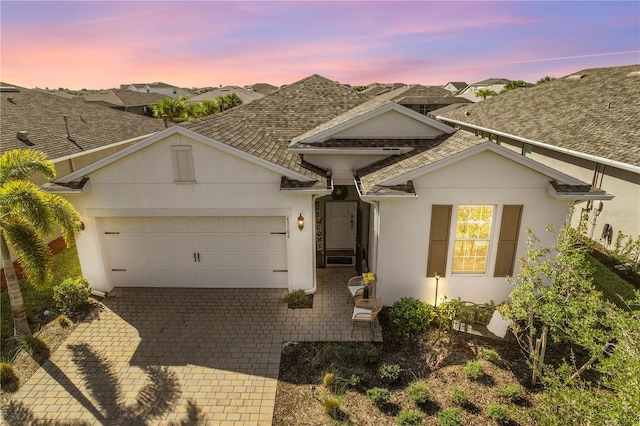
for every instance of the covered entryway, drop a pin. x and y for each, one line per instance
(211, 252)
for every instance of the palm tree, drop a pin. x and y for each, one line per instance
(514, 84)
(483, 93)
(172, 108)
(27, 216)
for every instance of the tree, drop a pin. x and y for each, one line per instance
(172, 108)
(544, 79)
(514, 84)
(554, 293)
(483, 93)
(229, 101)
(27, 216)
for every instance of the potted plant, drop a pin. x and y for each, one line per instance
(368, 279)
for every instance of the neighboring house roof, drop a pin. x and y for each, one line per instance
(156, 85)
(424, 91)
(376, 89)
(491, 82)
(459, 85)
(124, 98)
(432, 100)
(41, 115)
(266, 126)
(264, 88)
(596, 114)
(244, 94)
(61, 93)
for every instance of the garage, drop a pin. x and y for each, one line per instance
(207, 252)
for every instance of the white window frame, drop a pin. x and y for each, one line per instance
(489, 240)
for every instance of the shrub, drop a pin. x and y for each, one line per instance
(512, 392)
(298, 299)
(331, 405)
(411, 316)
(355, 379)
(71, 294)
(367, 354)
(450, 417)
(473, 370)
(63, 321)
(379, 396)
(389, 373)
(418, 392)
(8, 375)
(491, 355)
(328, 380)
(408, 417)
(459, 397)
(499, 413)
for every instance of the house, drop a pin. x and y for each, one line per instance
(262, 88)
(495, 84)
(314, 175)
(584, 124)
(126, 100)
(244, 94)
(71, 132)
(157, 87)
(425, 99)
(455, 86)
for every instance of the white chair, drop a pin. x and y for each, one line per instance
(366, 310)
(356, 286)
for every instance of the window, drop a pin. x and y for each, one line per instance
(182, 164)
(471, 245)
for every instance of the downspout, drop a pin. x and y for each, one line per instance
(313, 289)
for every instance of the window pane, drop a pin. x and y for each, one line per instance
(473, 231)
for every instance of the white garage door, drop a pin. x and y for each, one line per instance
(242, 252)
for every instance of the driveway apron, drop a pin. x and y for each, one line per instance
(176, 356)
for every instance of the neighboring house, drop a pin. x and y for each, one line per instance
(61, 93)
(158, 87)
(455, 86)
(71, 132)
(262, 88)
(316, 174)
(126, 100)
(495, 84)
(424, 99)
(585, 124)
(244, 94)
(376, 89)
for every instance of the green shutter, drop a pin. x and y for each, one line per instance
(508, 241)
(439, 240)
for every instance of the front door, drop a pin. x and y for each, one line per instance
(341, 225)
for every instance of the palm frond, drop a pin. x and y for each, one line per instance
(65, 215)
(20, 164)
(32, 252)
(24, 199)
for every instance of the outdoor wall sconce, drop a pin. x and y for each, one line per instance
(300, 222)
(437, 277)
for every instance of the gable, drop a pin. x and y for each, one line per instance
(390, 125)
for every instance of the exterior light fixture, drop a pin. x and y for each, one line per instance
(300, 222)
(437, 277)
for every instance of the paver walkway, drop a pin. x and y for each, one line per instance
(171, 356)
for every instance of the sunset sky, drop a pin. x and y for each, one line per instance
(86, 44)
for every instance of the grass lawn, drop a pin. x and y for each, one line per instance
(65, 265)
(611, 285)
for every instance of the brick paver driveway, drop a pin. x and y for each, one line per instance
(171, 356)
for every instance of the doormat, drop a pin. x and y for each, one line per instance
(340, 260)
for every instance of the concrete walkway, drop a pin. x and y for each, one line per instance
(182, 356)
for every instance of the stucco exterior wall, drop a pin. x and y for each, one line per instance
(486, 178)
(391, 124)
(141, 184)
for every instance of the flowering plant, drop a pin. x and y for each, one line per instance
(368, 278)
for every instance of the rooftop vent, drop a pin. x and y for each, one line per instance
(10, 99)
(9, 89)
(23, 137)
(576, 76)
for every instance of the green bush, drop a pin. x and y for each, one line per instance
(8, 376)
(367, 354)
(449, 417)
(408, 417)
(411, 316)
(491, 355)
(71, 294)
(356, 379)
(298, 299)
(512, 392)
(459, 397)
(611, 285)
(498, 413)
(379, 396)
(389, 373)
(418, 392)
(473, 370)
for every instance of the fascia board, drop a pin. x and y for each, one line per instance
(490, 146)
(91, 151)
(353, 151)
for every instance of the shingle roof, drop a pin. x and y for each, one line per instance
(492, 81)
(244, 94)
(264, 88)
(458, 84)
(432, 151)
(597, 114)
(265, 127)
(90, 126)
